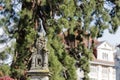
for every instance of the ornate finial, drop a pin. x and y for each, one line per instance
(41, 32)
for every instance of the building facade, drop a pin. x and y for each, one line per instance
(102, 66)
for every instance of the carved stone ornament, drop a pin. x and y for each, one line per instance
(40, 54)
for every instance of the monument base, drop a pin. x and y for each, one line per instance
(38, 74)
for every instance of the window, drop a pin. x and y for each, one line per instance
(104, 70)
(105, 73)
(93, 68)
(105, 56)
(93, 72)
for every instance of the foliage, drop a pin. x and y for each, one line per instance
(62, 66)
(5, 69)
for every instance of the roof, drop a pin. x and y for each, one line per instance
(98, 43)
(102, 42)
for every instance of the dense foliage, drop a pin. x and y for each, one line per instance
(67, 24)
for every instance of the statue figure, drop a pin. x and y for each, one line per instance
(40, 54)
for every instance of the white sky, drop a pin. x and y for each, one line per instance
(1, 31)
(113, 39)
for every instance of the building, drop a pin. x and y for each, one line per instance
(102, 65)
(117, 62)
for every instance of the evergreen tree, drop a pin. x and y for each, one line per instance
(82, 19)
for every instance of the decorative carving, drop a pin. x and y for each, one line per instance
(40, 54)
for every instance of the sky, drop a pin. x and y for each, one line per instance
(113, 39)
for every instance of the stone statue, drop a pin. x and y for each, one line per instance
(39, 65)
(40, 54)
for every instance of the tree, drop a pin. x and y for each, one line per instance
(82, 19)
(5, 70)
(7, 41)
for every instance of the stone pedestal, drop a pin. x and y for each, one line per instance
(38, 74)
